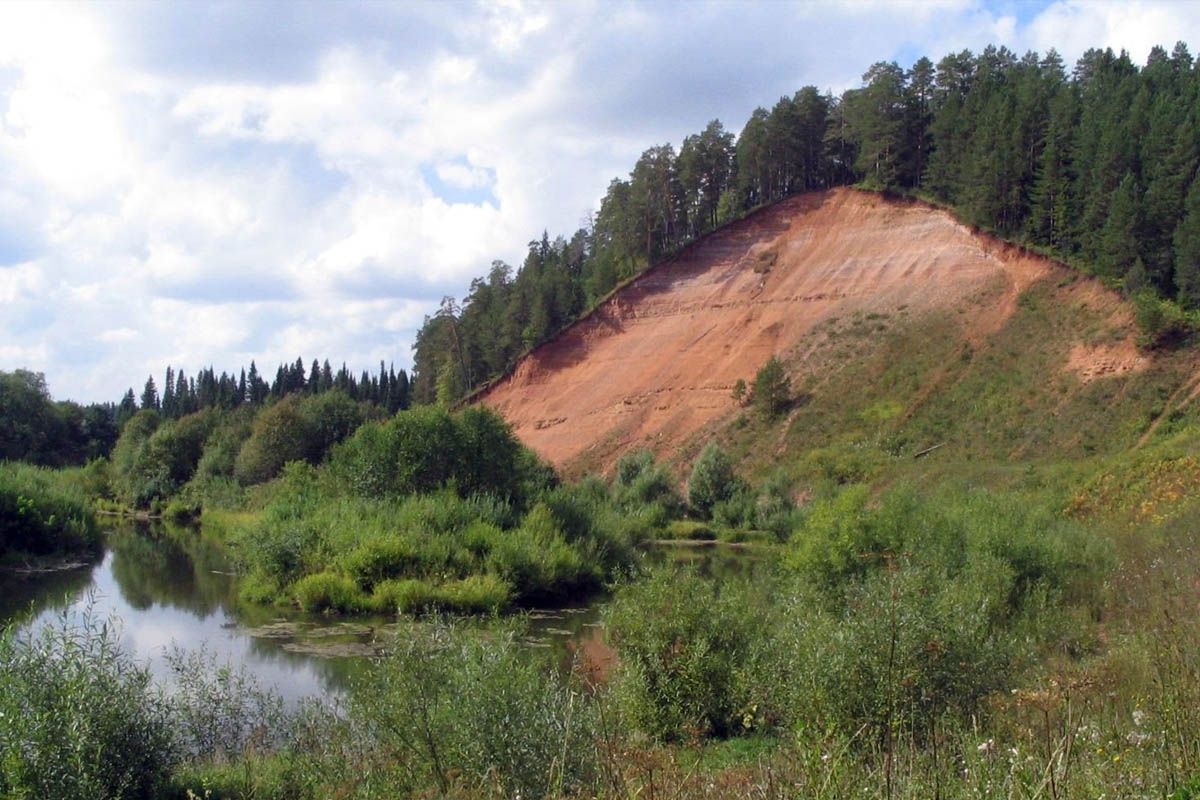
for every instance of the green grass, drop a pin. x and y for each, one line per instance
(44, 513)
(328, 551)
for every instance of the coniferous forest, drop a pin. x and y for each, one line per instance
(1095, 165)
(926, 565)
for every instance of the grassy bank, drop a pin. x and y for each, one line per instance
(954, 643)
(44, 514)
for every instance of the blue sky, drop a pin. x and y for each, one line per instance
(210, 183)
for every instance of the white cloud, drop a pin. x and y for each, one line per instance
(176, 186)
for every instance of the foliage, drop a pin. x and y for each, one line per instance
(36, 429)
(78, 719)
(771, 393)
(43, 512)
(296, 428)
(1161, 322)
(329, 550)
(712, 481)
(428, 448)
(449, 705)
(684, 644)
(640, 482)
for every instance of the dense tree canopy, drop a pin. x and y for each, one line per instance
(37, 429)
(1098, 166)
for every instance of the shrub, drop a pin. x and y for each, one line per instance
(409, 596)
(380, 559)
(690, 530)
(712, 480)
(426, 449)
(908, 650)
(181, 512)
(79, 719)
(451, 707)
(684, 643)
(42, 512)
(280, 433)
(1162, 322)
(476, 594)
(641, 482)
(165, 459)
(220, 712)
(326, 591)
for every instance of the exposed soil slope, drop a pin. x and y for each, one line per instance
(656, 363)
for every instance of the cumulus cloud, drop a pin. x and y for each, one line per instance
(199, 184)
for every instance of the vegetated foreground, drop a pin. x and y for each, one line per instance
(657, 361)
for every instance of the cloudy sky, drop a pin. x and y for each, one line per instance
(207, 183)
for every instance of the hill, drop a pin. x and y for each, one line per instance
(896, 323)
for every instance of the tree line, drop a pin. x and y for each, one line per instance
(1097, 166)
(182, 395)
(37, 429)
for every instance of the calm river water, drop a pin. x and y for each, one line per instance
(174, 588)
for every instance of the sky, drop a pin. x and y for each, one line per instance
(207, 183)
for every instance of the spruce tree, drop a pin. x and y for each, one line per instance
(1118, 244)
(1187, 249)
(150, 394)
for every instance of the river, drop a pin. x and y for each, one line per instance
(175, 588)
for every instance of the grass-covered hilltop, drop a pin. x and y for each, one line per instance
(969, 484)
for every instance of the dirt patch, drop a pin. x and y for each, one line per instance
(653, 365)
(1092, 362)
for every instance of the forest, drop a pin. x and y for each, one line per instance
(1096, 167)
(1012, 615)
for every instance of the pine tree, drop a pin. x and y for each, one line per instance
(1187, 249)
(1118, 244)
(771, 392)
(168, 395)
(150, 394)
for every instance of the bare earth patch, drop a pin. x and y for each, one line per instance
(655, 363)
(1090, 362)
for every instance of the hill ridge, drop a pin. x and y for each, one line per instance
(654, 363)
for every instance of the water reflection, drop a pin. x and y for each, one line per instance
(170, 588)
(173, 588)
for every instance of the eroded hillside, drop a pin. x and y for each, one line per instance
(655, 364)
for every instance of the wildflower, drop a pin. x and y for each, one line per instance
(1139, 716)
(987, 747)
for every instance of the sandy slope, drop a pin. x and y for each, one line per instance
(658, 360)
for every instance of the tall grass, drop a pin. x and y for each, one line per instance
(44, 512)
(326, 550)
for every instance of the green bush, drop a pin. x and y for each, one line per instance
(712, 480)
(640, 482)
(907, 652)
(684, 645)
(326, 591)
(846, 538)
(565, 545)
(280, 433)
(771, 392)
(43, 512)
(165, 459)
(380, 559)
(455, 709)
(426, 449)
(78, 718)
(1162, 322)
